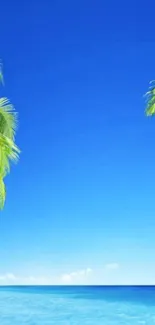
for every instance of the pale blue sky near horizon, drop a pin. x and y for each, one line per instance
(80, 203)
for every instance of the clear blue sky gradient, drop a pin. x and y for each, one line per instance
(83, 194)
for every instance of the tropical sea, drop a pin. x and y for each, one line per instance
(81, 305)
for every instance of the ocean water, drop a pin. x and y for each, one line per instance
(77, 305)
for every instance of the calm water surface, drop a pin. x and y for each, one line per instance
(77, 305)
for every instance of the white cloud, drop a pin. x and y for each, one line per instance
(70, 278)
(67, 278)
(34, 280)
(2, 277)
(112, 266)
(10, 278)
(75, 277)
(110, 274)
(7, 276)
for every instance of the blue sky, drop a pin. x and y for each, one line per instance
(80, 204)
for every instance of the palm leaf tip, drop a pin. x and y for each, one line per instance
(1, 74)
(1, 77)
(8, 149)
(2, 193)
(8, 118)
(150, 100)
(150, 110)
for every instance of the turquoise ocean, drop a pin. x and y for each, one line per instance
(81, 305)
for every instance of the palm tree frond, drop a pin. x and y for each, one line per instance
(10, 148)
(150, 101)
(4, 163)
(8, 118)
(2, 193)
(150, 111)
(148, 93)
(1, 74)
(9, 152)
(1, 78)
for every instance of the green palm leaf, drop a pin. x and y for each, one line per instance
(150, 101)
(8, 118)
(2, 193)
(1, 74)
(9, 152)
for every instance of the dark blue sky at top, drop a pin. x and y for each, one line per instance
(83, 191)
